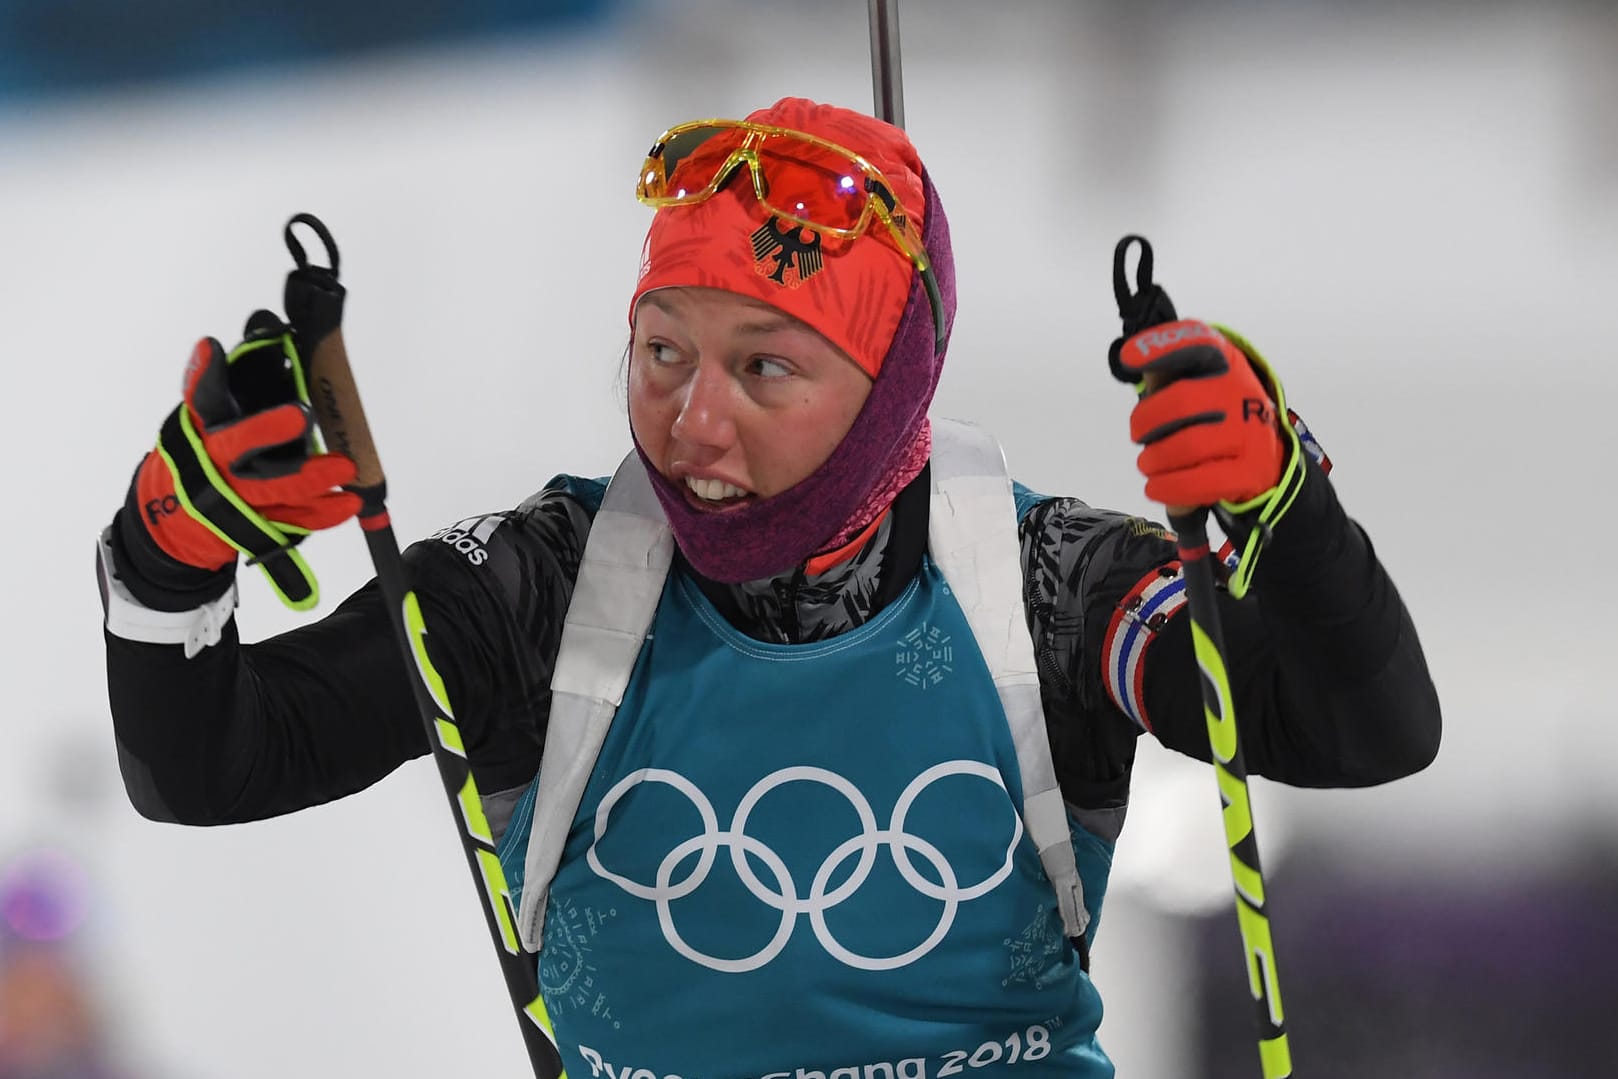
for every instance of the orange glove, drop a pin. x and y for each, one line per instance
(1205, 417)
(237, 468)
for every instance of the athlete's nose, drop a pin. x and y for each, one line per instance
(705, 417)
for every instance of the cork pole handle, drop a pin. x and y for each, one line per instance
(314, 306)
(336, 402)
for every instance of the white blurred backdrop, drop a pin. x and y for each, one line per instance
(1413, 210)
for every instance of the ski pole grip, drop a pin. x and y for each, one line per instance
(314, 307)
(1143, 304)
(336, 401)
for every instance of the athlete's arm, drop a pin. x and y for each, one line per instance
(1330, 682)
(1330, 685)
(246, 731)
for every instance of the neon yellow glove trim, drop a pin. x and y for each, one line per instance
(1258, 516)
(219, 484)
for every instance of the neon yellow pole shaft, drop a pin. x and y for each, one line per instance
(314, 303)
(1252, 912)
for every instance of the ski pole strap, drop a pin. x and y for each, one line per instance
(209, 499)
(1140, 306)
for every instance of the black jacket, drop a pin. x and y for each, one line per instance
(1330, 684)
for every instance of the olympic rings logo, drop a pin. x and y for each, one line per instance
(821, 897)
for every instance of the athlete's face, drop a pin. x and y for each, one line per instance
(732, 399)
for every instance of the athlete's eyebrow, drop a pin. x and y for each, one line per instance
(656, 300)
(772, 324)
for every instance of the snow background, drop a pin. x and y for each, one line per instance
(1413, 215)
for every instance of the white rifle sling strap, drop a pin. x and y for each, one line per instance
(972, 537)
(626, 560)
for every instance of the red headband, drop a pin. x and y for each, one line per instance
(852, 292)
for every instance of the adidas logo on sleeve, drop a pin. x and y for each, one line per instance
(470, 536)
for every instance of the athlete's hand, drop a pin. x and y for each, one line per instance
(1205, 417)
(237, 468)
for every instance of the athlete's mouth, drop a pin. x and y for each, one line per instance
(711, 494)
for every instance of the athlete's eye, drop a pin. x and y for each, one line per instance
(661, 353)
(765, 367)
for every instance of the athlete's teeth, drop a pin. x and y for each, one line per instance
(713, 490)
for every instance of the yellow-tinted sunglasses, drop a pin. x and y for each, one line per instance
(798, 177)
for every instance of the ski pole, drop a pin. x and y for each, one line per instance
(887, 80)
(314, 307)
(1145, 306)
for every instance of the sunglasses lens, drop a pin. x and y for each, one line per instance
(815, 183)
(820, 186)
(689, 161)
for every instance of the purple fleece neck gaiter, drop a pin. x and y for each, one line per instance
(769, 536)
